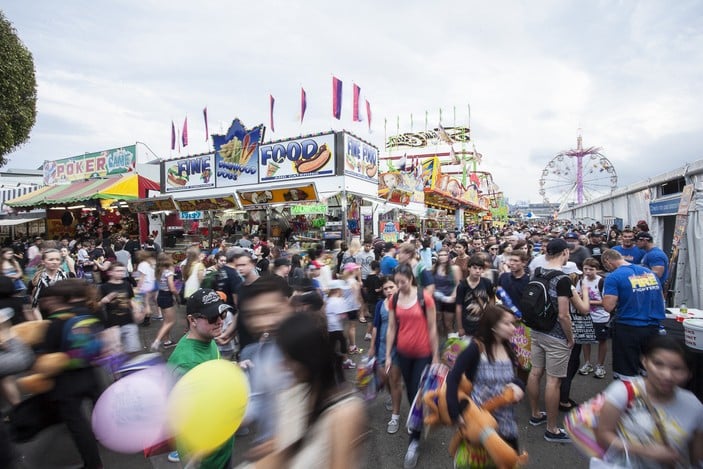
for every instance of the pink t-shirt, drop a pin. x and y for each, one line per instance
(413, 337)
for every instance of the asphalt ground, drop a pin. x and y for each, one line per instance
(53, 448)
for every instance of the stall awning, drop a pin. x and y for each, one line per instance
(19, 221)
(441, 199)
(120, 187)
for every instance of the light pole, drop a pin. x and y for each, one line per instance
(158, 158)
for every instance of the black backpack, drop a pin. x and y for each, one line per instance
(420, 300)
(538, 310)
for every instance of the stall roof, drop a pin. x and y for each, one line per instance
(437, 198)
(120, 187)
(19, 221)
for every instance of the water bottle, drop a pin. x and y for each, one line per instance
(507, 302)
(683, 313)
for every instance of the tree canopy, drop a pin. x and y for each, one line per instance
(18, 90)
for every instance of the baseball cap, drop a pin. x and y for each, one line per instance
(571, 235)
(644, 235)
(207, 303)
(281, 261)
(337, 285)
(349, 266)
(389, 246)
(597, 233)
(556, 246)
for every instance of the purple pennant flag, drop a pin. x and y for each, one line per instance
(207, 133)
(368, 113)
(303, 103)
(336, 98)
(184, 135)
(272, 101)
(173, 136)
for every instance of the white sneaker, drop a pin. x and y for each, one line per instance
(348, 364)
(412, 455)
(367, 336)
(586, 369)
(155, 346)
(600, 372)
(393, 426)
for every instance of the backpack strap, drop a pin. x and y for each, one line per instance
(420, 301)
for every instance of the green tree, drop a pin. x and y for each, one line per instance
(18, 90)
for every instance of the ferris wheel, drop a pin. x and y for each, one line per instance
(577, 176)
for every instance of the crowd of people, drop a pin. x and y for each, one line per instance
(288, 317)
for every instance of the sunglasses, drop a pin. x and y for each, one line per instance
(222, 315)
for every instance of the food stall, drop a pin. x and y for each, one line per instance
(86, 195)
(307, 189)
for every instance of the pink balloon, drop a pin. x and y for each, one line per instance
(131, 414)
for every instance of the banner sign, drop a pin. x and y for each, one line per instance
(296, 159)
(211, 203)
(236, 155)
(152, 205)
(260, 199)
(191, 215)
(426, 138)
(390, 231)
(91, 165)
(679, 231)
(313, 209)
(360, 159)
(195, 172)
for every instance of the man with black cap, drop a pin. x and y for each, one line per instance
(551, 350)
(205, 312)
(595, 245)
(577, 253)
(654, 258)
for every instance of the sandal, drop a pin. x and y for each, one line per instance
(362, 320)
(567, 408)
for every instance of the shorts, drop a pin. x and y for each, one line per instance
(602, 330)
(550, 353)
(129, 337)
(353, 315)
(164, 299)
(447, 308)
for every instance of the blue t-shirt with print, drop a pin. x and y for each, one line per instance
(655, 257)
(633, 254)
(640, 300)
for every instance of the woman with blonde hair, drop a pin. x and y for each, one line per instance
(164, 300)
(193, 271)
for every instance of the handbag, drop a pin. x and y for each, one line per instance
(470, 456)
(605, 463)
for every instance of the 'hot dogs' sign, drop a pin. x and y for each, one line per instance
(297, 159)
(195, 172)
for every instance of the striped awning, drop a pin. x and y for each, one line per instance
(124, 187)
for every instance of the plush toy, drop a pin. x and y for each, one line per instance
(46, 366)
(478, 426)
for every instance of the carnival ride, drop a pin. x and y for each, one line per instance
(577, 176)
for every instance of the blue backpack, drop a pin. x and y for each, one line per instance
(80, 339)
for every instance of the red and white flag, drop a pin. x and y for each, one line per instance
(355, 111)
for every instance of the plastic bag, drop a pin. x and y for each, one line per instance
(366, 379)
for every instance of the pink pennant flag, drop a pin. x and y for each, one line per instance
(303, 103)
(207, 132)
(368, 113)
(184, 135)
(336, 98)
(272, 101)
(173, 136)
(355, 111)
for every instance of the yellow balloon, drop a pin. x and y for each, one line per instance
(207, 405)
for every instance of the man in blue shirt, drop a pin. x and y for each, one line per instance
(654, 258)
(388, 262)
(637, 294)
(627, 249)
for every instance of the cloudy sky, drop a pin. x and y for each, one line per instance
(628, 73)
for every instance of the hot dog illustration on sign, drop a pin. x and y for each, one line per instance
(181, 173)
(296, 158)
